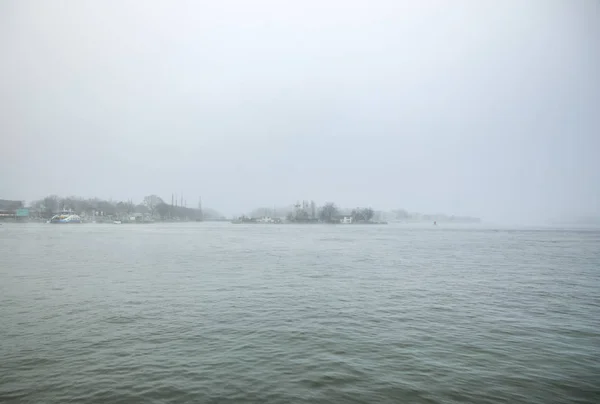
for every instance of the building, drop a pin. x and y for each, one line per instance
(12, 209)
(346, 219)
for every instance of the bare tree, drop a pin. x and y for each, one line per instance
(121, 207)
(362, 215)
(163, 209)
(152, 202)
(368, 214)
(51, 205)
(328, 212)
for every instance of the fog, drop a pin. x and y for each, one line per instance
(482, 108)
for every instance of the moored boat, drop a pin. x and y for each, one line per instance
(65, 217)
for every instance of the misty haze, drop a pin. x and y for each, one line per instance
(272, 202)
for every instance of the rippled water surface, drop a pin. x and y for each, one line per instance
(201, 313)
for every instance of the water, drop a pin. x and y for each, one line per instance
(207, 313)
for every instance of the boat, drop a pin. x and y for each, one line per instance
(65, 217)
(117, 222)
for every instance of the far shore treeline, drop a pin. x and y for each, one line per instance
(306, 211)
(155, 208)
(152, 206)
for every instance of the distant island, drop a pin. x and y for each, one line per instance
(309, 212)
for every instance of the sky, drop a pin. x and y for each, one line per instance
(484, 108)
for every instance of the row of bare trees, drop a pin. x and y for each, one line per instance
(52, 204)
(152, 205)
(330, 213)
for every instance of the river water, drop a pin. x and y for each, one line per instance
(221, 313)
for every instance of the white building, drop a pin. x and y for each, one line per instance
(267, 219)
(346, 219)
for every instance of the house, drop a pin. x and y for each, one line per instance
(8, 209)
(346, 219)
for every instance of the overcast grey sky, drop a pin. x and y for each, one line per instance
(487, 108)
